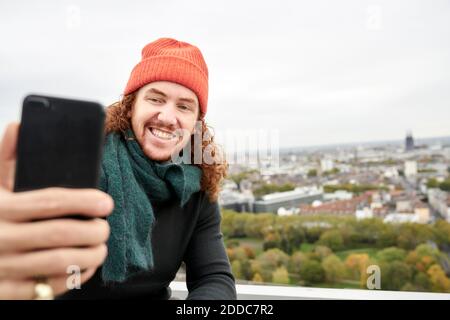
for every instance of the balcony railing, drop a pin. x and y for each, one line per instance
(270, 292)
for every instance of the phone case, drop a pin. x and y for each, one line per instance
(60, 143)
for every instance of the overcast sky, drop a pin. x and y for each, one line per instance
(319, 72)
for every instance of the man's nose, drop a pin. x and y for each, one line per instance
(168, 115)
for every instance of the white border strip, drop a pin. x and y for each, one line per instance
(279, 292)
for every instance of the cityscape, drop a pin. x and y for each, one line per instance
(322, 215)
(399, 183)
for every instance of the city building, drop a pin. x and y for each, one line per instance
(326, 165)
(338, 195)
(403, 206)
(401, 218)
(236, 201)
(287, 212)
(409, 142)
(410, 169)
(288, 199)
(422, 212)
(340, 207)
(233, 198)
(364, 213)
(440, 201)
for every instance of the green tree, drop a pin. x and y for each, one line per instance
(313, 234)
(280, 275)
(445, 185)
(238, 225)
(322, 252)
(422, 282)
(291, 234)
(236, 269)
(387, 236)
(439, 281)
(426, 170)
(334, 268)
(442, 233)
(257, 278)
(432, 183)
(249, 251)
(246, 269)
(259, 224)
(268, 188)
(331, 172)
(395, 275)
(226, 222)
(232, 243)
(312, 173)
(420, 261)
(296, 262)
(241, 253)
(332, 239)
(312, 272)
(391, 254)
(425, 249)
(272, 240)
(355, 188)
(411, 235)
(266, 263)
(357, 264)
(237, 178)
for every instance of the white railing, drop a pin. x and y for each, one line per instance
(269, 292)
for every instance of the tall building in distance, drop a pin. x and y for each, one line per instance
(409, 142)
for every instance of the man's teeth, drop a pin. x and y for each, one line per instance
(162, 134)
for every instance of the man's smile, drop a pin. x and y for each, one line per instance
(162, 134)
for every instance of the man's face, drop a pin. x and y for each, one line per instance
(163, 118)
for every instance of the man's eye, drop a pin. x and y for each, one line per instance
(154, 100)
(183, 107)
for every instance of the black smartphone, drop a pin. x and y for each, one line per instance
(60, 143)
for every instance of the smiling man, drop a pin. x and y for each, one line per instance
(162, 117)
(165, 213)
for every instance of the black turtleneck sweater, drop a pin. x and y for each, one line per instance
(191, 234)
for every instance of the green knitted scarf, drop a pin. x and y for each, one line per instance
(135, 182)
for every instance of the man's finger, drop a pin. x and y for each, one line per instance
(24, 289)
(8, 148)
(54, 202)
(9, 142)
(53, 233)
(50, 263)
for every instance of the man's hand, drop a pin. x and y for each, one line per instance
(31, 249)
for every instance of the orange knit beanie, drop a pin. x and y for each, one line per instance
(167, 59)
